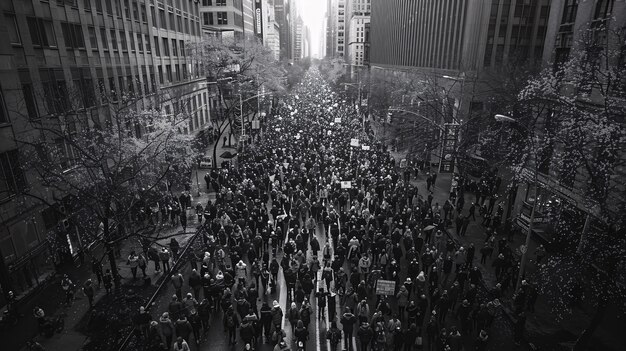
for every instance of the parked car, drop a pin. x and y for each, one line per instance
(206, 162)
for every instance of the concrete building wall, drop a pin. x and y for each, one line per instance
(130, 47)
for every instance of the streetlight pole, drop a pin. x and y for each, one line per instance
(525, 256)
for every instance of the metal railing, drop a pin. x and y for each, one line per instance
(162, 285)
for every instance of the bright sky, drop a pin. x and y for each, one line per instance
(312, 12)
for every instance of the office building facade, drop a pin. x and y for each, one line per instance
(111, 49)
(357, 18)
(457, 35)
(225, 16)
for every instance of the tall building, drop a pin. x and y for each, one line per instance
(357, 18)
(225, 16)
(281, 11)
(331, 29)
(248, 18)
(292, 28)
(460, 35)
(52, 48)
(306, 42)
(339, 20)
(298, 39)
(271, 28)
(572, 191)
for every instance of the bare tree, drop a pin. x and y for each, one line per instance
(573, 114)
(241, 71)
(104, 163)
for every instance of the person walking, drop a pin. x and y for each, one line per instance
(177, 282)
(133, 262)
(165, 256)
(230, 325)
(333, 335)
(88, 290)
(347, 321)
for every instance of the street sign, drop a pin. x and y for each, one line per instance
(346, 184)
(354, 142)
(385, 287)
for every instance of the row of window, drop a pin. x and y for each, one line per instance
(213, 2)
(12, 179)
(174, 22)
(221, 18)
(58, 98)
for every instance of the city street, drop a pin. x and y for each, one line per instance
(312, 175)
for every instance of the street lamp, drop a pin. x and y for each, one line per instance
(524, 259)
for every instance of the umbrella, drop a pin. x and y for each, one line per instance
(430, 227)
(228, 154)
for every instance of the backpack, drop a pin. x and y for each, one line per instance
(334, 336)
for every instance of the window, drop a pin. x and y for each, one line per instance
(99, 6)
(135, 11)
(179, 22)
(161, 74)
(144, 14)
(132, 41)
(162, 23)
(123, 41)
(93, 41)
(220, 2)
(182, 47)
(4, 117)
(129, 81)
(174, 48)
(166, 47)
(87, 5)
(113, 91)
(107, 3)
(172, 21)
(118, 8)
(12, 179)
(168, 71)
(153, 15)
(41, 32)
(604, 8)
(127, 9)
(29, 101)
(148, 47)
(207, 2)
(89, 95)
(66, 154)
(157, 49)
(222, 18)
(103, 38)
(140, 41)
(14, 33)
(73, 36)
(120, 81)
(113, 39)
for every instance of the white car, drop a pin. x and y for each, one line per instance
(206, 162)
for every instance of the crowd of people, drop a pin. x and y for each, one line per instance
(319, 203)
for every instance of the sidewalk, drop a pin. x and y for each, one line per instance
(51, 298)
(541, 326)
